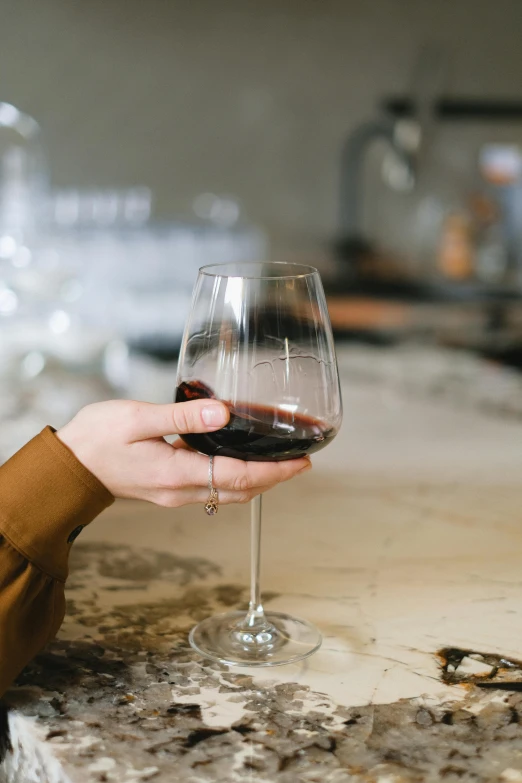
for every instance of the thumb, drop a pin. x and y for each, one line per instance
(178, 418)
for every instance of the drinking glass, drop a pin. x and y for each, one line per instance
(259, 339)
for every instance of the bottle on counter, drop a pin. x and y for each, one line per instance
(491, 256)
(455, 253)
(501, 238)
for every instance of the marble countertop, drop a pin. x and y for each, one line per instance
(404, 547)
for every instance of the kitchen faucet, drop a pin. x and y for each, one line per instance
(402, 139)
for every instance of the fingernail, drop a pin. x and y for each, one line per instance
(214, 415)
(306, 467)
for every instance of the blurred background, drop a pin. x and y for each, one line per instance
(380, 140)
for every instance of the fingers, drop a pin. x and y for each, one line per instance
(180, 444)
(146, 420)
(235, 474)
(190, 495)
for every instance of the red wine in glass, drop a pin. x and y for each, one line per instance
(259, 433)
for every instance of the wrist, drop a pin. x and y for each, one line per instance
(77, 443)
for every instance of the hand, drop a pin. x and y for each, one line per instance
(121, 443)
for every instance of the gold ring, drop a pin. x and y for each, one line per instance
(212, 504)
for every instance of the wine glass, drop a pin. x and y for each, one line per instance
(259, 339)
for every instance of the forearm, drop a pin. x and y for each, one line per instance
(46, 498)
(31, 611)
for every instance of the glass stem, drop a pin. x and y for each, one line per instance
(256, 615)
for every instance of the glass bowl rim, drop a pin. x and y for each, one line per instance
(212, 270)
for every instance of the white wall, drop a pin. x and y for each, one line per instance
(251, 97)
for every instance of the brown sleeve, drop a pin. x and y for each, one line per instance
(46, 498)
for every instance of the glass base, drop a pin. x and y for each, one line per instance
(273, 640)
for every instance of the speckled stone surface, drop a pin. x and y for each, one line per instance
(128, 700)
(403, 546)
